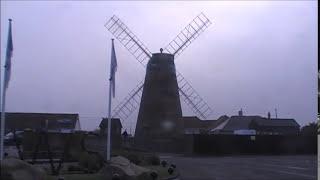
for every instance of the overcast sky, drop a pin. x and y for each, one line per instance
(257, 56)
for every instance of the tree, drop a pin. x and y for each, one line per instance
(310, 129)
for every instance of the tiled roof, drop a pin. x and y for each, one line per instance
(114, 121)
(38, 120)
(277, 122)
(243, 122)
(239, 122)
(195, 122)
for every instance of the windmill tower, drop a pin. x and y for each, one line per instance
(159, 124)
(160, 107)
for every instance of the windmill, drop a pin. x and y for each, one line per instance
(159, 119)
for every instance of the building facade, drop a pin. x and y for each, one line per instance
(249, 125)
(59, 122)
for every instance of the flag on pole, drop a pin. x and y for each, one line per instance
(112, 82)
(113, 69)
(7, 72)
(7, 66)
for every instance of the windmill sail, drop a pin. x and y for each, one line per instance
(128, 40)
(176, 47)
(187, 93)
(129, 104)
(192, 98)
(187, 35)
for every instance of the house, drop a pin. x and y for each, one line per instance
(58, 122)
(250, 125)
(234, 125)
(275, 126)
(194, 125)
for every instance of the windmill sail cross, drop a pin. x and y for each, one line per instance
(129, 40)
(188, 34)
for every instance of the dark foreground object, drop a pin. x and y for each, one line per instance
(246, 167)
(158, 126)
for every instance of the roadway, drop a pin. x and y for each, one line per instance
(297, 167)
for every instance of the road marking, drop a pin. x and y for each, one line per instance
(290, 167)
(298, 174)
(281, 171)
(286, 172)
(294, 167)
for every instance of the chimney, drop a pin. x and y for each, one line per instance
(269, 116)
(240, 112)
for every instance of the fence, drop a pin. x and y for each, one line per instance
(246, 144)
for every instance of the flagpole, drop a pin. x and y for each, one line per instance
(4, 87)
(109, 110)
(0, 109)
(3, 119)
(109, 123)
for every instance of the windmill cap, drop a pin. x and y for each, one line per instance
(163, 54)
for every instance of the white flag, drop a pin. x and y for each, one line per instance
(7, 66)
(113, 69)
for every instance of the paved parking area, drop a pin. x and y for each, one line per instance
(300, 167)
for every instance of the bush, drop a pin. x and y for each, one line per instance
(71, 168)
(153, 160)
(83, 159)
(90, 161)
(74, 168)
(163, 163)
(170, 170)
(116, 177)
(134, 158)
(154, 175)
(93, 163)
